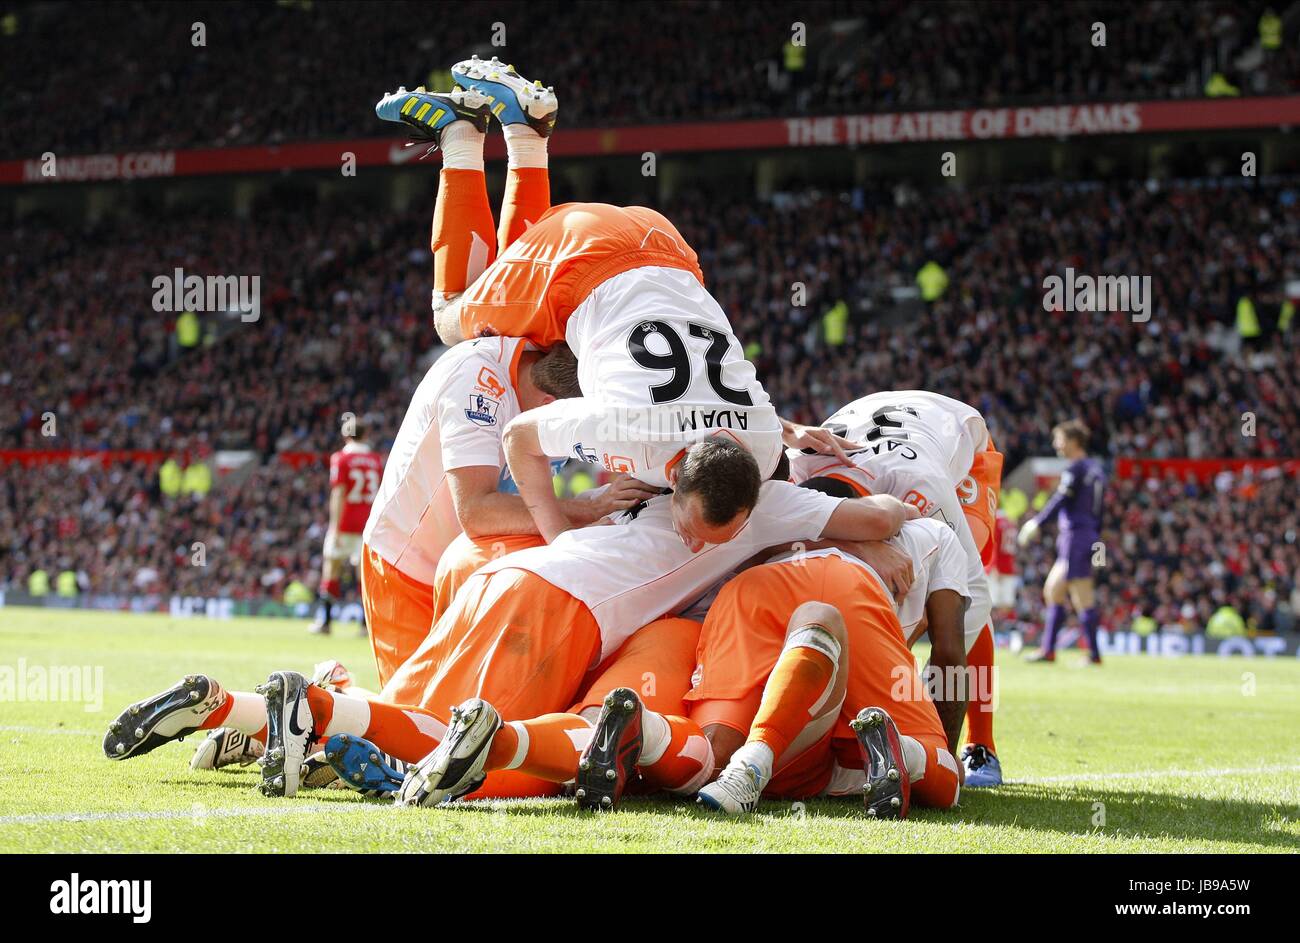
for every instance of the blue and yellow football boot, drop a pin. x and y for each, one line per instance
(427, 114)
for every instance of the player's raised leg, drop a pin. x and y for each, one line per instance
(527, 112)
(462, 240)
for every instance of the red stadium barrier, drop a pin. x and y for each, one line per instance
(1203, 468)
(30, 458)
(972, 124)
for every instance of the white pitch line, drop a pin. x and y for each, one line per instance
(1141, 774)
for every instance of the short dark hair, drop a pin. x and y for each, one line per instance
(835, 487)
(356, 431)
(556, 373)
(1075, 430)
(723, 475)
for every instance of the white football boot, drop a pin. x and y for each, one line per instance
(455, 767)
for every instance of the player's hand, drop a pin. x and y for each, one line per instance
(911, 512)
(822, 441)
(1028, 531)
(623, 492)
(893, 566)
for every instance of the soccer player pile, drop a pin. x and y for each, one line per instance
(729, 618)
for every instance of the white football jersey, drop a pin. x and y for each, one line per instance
(901, 430)
(917, 446)
(454, 421)
(659, 369)
(634, 571)
(938, 562)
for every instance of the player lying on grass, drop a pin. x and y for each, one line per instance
(524, 630)
(778, 624)
(935, 453)
(658, 366)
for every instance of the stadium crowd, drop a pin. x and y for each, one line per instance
(164, 84)
(1176, 385)
(113, 528)
(833, 292)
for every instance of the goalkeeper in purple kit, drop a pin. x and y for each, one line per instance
(1076, 508)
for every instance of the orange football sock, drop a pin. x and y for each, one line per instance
(547, 747)
(939, 784)
(462, 240)
(979, 712)
(684, 764)
(406, 732)
(797, 683)
(527, 197)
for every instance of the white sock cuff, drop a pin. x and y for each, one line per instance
(816, 638)
(521, 751)
(524, 147)
(462, 146)
(656, 735)
(913, 756)
(351, 715)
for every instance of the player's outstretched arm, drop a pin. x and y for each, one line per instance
(822, 441)
(531, 469)
(877, 517)
(483, 511)
(945, 612)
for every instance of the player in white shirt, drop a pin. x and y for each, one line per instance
(659, 370)
(929, 450)
(446, 474)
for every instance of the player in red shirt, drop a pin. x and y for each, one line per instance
(1004, 578)
(355, 473)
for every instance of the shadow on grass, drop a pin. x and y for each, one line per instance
(1064, 810)
(1072, 810)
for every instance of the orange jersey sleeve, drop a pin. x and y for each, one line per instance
(536, 283)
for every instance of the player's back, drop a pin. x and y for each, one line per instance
(453, 421)
(638, 569)
(653, 344)
(1081, 512)
(535, 285)
(948, 430)
(357, 469)
(916, 445)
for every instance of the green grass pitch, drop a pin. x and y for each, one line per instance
(1141, 755)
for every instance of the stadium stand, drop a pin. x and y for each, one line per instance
(81, 338)
(156, 87)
